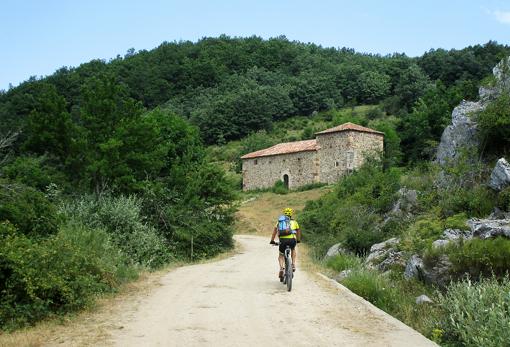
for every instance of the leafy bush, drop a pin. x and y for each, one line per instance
(27, 209)
(504, 199)
(494, 123)
(342, 262)
(57, 275)
(480, 257)
(280, 188)
(476, 314)
(121, 218)
(34, 172)
(375, 288)
(477, 201)
(458, 221)
(422, 233)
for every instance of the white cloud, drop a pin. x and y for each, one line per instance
(502, 16)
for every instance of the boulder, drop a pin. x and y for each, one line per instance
(423, 299)
(498, 214)
(462, 133)
(502, 73)
(408, 199)
(500, 177)
(438, 274)
(334, 250)
(440, 243)
(489, 228)
(457, 234)
(384, 255)
(414, 267)
(342, 275)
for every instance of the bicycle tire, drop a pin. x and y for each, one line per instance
(288, 273)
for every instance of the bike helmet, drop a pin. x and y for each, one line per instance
(288, 212)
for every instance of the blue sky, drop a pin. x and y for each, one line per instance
(38, 37)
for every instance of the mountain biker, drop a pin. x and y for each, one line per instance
(291, 240)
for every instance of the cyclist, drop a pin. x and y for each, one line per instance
(291, 240)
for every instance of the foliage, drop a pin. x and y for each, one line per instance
(476, 313)
(27, 209)
(504, 199)
(57, 275)
(350, 212)
(478, 257)
(36, 172)
(342, 262)
(280, 188)
(494, 122)
(121, 218)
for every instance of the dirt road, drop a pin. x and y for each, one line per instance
(238, 301)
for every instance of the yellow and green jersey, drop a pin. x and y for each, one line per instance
(293, 226)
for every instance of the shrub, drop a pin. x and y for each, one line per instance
(476, 314)
(422, 233)
(477, 201)
(121, 218)
(373, 287)
(27, 209)
(504, 199)
(34, 172)
(342, 262)
(280, 188)
(57, 275)
(458, 221)
(480, 257)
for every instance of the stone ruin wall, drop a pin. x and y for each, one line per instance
(263, 172)
(342, 152)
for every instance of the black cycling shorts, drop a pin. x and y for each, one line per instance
(284, 242)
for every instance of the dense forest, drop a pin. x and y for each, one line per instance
(105, 170)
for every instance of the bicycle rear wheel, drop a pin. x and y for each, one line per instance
(288, 272)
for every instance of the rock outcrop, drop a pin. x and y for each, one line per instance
(462, 133)
(334, 250)
(384, 255)
(489, 228)
(500, 176)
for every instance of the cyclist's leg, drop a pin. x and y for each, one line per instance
(281, 259)
(294, 254)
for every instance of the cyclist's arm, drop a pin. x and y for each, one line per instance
(298, 234)
(274, 234)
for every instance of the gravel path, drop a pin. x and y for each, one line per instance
(238, 301)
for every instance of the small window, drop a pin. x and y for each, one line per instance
(255, 162)
(336, 164)
(298, 159)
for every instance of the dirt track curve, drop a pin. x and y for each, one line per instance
(238, 301)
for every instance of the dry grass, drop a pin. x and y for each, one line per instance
(259, 214)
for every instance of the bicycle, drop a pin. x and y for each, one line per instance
(288, 274)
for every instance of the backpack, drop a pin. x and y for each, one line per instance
(284, 226)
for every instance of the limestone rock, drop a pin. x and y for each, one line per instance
(414, 267)
(423, 299)
(502, 73)
(342, 275)
(440, 243)
(384, 255)
(408, 199)
(489, 228)
(438, 274)
(462, 133)
(500, 177)
(334, 250)
(457, 234)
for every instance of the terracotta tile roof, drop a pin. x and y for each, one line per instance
(284, 148)
(347, 127)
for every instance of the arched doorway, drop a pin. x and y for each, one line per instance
(286, 181)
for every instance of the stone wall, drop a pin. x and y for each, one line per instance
(342, 152)
(263, 172)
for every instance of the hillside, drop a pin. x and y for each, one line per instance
(113, 168)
